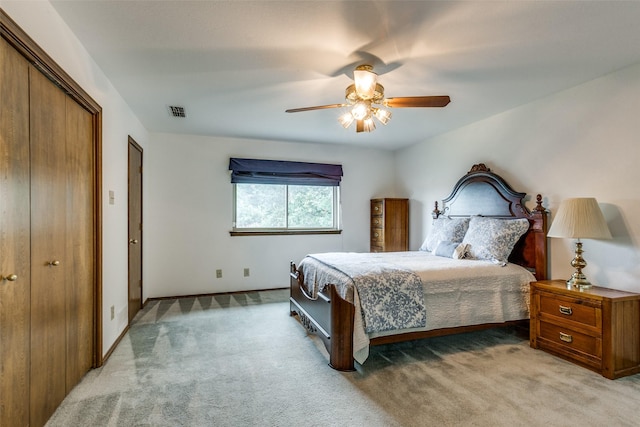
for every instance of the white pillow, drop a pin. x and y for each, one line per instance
(445, 229)
(493, 239)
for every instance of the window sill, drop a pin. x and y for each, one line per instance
(283, 232)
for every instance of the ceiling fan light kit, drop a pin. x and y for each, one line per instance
(383, 115)
(365, 100)
(366, 82)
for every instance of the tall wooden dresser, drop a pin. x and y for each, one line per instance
(389, 225)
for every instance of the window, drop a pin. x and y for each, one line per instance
(292, 207)
(285, 197)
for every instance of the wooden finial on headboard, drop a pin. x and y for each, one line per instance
(480, 167)
(436, 212)
(539, 207)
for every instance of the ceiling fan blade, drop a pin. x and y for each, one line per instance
(417, 101)
(318, 107)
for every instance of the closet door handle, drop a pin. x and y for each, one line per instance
(10, 278)
(54, 263)
(133, 241)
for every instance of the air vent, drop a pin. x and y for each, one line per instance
(177, 111)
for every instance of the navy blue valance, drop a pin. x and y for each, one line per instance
(254, 171)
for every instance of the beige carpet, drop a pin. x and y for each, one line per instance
(241, 360)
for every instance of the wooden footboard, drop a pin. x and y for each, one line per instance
(328, 316)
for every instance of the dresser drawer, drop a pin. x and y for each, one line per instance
(377, 237)
(376, 207)
(570, 340)
(586, 312)
(376, 221)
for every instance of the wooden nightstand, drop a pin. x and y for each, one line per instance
(598, 328)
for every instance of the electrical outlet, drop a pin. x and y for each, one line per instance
(218, 274)
(246, 272)
(113, 312)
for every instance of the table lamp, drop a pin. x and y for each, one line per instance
(579, 218)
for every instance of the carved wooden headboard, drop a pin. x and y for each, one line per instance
(482, 192)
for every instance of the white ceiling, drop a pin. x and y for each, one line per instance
(236, 66)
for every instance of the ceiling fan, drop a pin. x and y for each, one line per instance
(365, 100)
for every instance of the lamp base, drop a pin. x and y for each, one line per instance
(578, 280)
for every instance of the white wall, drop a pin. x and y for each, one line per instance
(583, 142)
(43, 24)
(188, 213)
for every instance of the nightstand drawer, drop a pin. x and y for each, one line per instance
(586, 312)
(571, 339)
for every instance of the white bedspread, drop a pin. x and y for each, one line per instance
(456, 292)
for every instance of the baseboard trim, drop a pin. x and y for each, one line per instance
(114, 345)
(212, 294)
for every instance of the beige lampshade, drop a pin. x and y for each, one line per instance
(580, 218)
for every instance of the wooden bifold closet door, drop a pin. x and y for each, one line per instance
(79, 250)
(15, 239)
(61, 245)
(47, 311)
(48, 258)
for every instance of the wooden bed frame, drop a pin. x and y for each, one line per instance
(479, 192)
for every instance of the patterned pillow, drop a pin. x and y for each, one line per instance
(493, 239)
(445, 229)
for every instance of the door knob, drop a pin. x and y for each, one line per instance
(11, 278)
(54, 263)
(133, 241)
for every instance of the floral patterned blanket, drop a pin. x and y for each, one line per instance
(391, 297)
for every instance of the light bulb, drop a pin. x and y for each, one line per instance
(365, 82)
(360, 110)
(383, 115)
(369, 124)
(346, 119)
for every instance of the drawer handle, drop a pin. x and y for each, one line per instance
(376, 208)
(375, 235)
(566, 310)
(565, 337)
